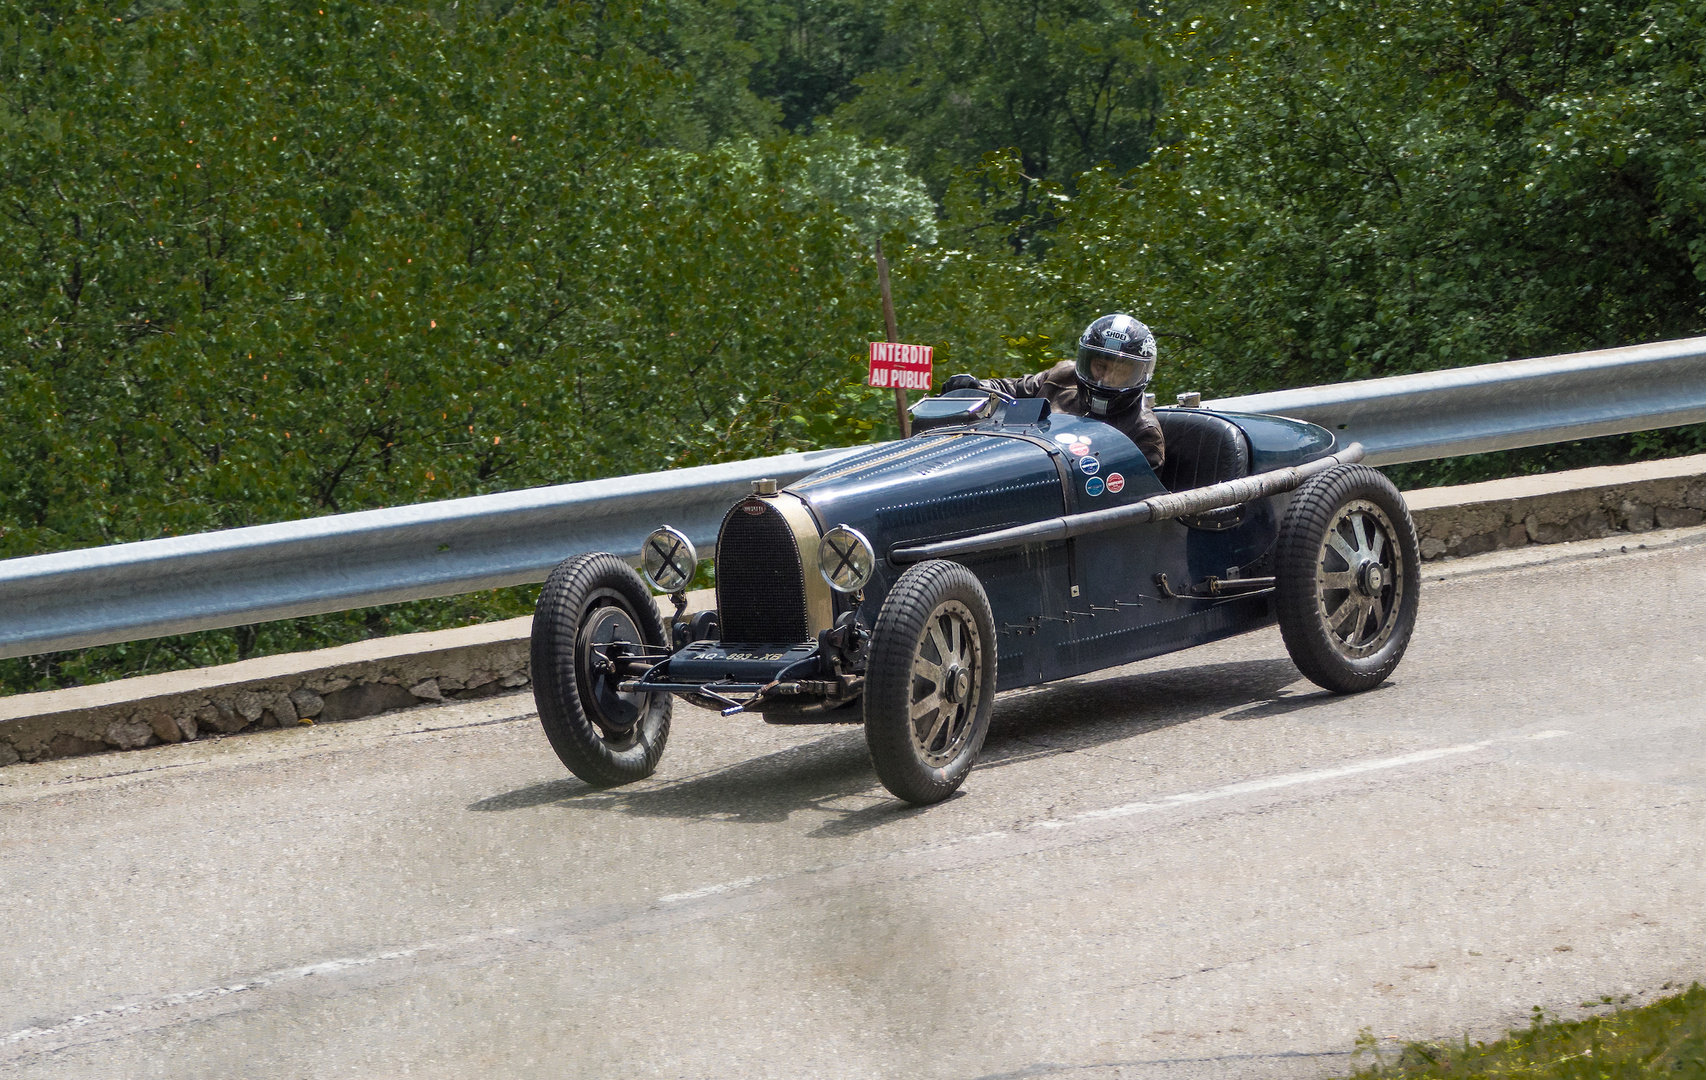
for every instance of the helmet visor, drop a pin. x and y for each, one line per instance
(1113, 370)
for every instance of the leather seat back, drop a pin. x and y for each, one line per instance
(1202, 449)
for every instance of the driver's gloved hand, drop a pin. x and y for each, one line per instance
(962, 382)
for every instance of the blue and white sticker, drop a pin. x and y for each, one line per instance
(1093, 486)
(1089, 465)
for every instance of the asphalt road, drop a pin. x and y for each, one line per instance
(1197, 866)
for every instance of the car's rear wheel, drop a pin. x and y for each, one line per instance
(594, 610)
(1348, 572)
(930, 681)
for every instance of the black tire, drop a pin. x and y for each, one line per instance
(938, 609)
(1348, 572)
(604, 737)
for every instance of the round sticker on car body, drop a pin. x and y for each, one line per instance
(1116, 483)
(1093, 486)
(1089, 465)
(1079, 448)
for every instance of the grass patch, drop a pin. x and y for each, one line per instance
(1664, 1039)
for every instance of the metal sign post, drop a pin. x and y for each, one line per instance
(901, 415)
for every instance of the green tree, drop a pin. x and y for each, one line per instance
(816, 52)
(1066, 85)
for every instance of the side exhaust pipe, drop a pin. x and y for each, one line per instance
(1157, 508)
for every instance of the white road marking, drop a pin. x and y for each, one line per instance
(325, 967)
(1311, 776)
(709, 890)
(1188, 798)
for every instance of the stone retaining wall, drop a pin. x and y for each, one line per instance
(1552, 508)
(342, 683)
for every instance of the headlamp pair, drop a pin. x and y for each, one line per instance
(844, 558)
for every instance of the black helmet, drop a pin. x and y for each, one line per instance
(1116, 357)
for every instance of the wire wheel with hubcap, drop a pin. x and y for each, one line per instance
(930, 681)
(1348, 576)
(594, 618)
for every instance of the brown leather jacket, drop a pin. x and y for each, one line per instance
(1060, 385)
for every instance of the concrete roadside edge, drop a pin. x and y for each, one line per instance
(1478, 528)
(346, 682)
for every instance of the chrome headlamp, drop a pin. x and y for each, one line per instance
(846, 559)
(669, 560)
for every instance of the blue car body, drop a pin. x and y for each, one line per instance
(1060, 608)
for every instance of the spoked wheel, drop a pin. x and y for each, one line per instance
(594, 613)
(1349, 574)
(930, 681)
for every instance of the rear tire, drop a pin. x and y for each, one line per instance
(930, 681)
(605, 737)
(1348, 572)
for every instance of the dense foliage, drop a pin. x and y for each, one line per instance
(268, 259)
(272, 264)
(1361, 190)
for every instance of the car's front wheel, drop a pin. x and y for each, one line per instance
(930, 681)
(1348, 572)
(593, 611)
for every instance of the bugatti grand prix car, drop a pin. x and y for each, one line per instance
(998, 547)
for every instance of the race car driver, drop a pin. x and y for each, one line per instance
(1116, 357)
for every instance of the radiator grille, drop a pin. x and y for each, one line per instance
(761, 589)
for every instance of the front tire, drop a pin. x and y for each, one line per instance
(1348, 572)
(930, 681)
(591, 606)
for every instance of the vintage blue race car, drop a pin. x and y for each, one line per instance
(998, 547)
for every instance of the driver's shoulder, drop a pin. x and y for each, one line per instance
(1062, 374)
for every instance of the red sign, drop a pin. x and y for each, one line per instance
(902, 367)
(1116, 483)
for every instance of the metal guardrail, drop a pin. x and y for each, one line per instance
(127, 592)
(1472, 410)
